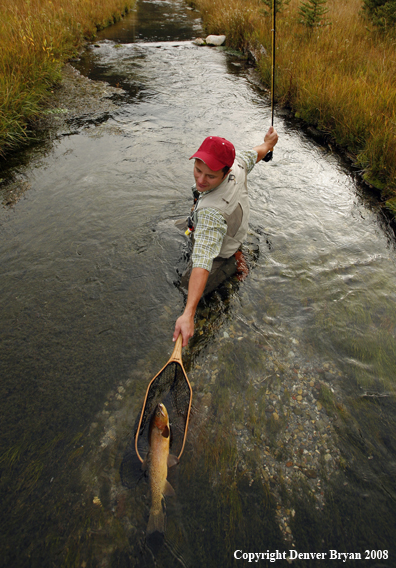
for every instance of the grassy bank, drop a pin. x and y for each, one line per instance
(340, 78)
(36, 38)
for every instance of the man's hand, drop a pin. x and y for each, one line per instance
(270, 139)
(185, 326)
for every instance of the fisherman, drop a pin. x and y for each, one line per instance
(219, 220)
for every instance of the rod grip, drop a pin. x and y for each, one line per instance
(268, 156)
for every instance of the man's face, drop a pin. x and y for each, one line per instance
(205, 178)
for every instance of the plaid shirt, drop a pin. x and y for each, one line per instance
(212, 227)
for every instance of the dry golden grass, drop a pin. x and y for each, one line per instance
(341, 77)
(36, 38)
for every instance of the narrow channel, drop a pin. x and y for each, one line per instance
(292, 439)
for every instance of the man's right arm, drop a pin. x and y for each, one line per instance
(196, 286)
(209, 235)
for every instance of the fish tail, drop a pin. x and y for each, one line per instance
(156, 522)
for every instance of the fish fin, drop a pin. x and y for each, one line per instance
(165, 432)
(172, 460)
(156, 523)
(168, 490)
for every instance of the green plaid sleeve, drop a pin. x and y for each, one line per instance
(249, 157)
(208, 237)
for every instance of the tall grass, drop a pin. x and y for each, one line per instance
(340, 78)
(36, 38)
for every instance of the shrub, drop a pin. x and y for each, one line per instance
(280, 5)
(382, 13)
(312, 13)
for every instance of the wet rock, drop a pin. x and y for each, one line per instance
(199, 41)
(255, 53)
(215, 40)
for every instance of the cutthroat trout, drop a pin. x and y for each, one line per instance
(157, 462)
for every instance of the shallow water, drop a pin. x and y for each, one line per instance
(90, 259)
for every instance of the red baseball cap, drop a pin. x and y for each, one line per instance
(216, 152)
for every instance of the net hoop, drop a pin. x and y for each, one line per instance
(176, 357)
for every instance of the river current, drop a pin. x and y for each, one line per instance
(292, 438)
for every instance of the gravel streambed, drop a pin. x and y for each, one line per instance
(288, 415)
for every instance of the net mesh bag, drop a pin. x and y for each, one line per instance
(172, 388)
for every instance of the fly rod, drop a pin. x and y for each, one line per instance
(268, 156)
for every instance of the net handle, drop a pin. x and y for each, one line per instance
(176, 357)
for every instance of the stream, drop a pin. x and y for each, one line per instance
(291, 449)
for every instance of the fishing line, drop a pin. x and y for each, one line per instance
(269, 155)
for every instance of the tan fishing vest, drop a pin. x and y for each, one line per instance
(232, 200)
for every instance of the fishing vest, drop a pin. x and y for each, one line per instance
(232, 200)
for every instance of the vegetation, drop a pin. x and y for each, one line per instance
(340, 78)
(312, 13)
(278, 4)
(382, 13)
(36, 38)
